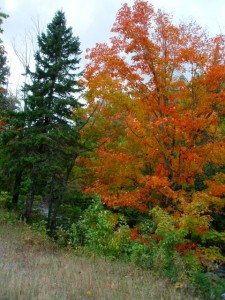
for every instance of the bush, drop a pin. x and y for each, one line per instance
(102, 232)
(157, 243)
(7, 217)
(4, 200)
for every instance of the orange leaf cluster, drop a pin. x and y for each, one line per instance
(156, 96)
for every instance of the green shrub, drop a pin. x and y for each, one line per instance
(156, 243)
(142, 255)
(7, 217)
(4, 200)
(102, 232)
(202, 283)
(40, 226)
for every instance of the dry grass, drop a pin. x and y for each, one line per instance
(32, 268)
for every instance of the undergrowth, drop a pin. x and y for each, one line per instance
(32, 266)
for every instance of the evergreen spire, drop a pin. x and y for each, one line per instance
(52, 93)
(4, 70)
(51, 135)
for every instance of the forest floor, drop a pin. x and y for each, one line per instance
(33, 267)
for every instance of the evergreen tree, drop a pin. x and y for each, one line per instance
(4, 73)
(51, 98)
(52, 129)
(12, 124)
(4, 70)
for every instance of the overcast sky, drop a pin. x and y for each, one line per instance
(92, 20)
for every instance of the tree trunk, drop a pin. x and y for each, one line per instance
(16, 188)
(50, 203)
(29, 204)
(52, 224)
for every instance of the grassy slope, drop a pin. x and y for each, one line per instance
(31, 267)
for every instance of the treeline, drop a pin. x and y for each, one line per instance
(137, 172)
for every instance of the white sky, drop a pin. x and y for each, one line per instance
(92, 20)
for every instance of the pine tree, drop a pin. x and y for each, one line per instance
(54, 83)
(4, 69)
(52, 130)
(4, 73)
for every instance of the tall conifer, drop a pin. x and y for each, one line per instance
(4, 69)
(52, 133)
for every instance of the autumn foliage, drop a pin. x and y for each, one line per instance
(156, 99)
(159, 97)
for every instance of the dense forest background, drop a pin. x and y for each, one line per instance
(125, 158)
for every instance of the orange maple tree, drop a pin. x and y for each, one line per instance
(156, 99)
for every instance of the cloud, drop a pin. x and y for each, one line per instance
(11, 5)
(92, 20)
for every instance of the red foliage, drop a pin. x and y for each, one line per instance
(155, 129)
(183, 249)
